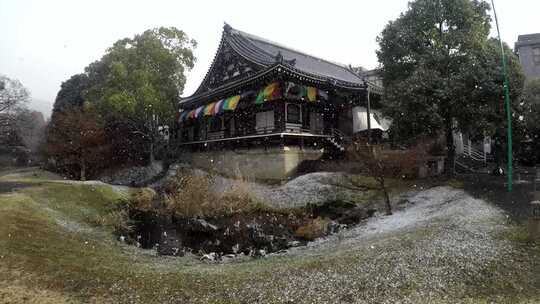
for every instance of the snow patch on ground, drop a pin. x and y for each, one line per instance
(440, 207)
(442, 244)
(133, 175)
(69, 225)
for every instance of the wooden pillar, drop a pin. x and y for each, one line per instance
(280, 110)
(368, 110)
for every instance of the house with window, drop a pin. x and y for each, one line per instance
(263, 108)
(528, 49)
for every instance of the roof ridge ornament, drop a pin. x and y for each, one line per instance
(279, 57)
(226, 27)
(356, 71)
(291, 62)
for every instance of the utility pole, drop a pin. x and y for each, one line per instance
(507, 102)
(368, 110)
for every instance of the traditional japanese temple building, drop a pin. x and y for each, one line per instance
(264, 108)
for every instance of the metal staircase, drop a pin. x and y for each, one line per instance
(471, 160)
(338, 140)
(336, 145)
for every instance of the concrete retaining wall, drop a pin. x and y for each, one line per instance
(276, 163)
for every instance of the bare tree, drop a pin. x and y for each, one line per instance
(13, 94)
(30, 127)
(77, 139)
(13, 98)
(380, 164)
(374, 166)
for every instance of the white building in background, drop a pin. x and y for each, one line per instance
(528, 49)
(377, 121)
(163, 132)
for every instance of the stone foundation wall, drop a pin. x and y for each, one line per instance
(276, 163)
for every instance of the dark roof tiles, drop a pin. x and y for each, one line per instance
(268, 55)
(267, 52)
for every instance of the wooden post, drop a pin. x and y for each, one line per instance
(534, 221)
(368, 110)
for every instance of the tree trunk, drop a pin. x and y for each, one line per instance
(83, 170)
(451, 150)
(152, 157)
(388, 204)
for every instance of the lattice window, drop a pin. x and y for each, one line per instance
(264, 121)
(294, 114)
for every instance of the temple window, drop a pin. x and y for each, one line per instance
(264, 121)
(293, 113)
(216, 124)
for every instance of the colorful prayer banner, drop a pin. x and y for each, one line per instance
(218, 108)
(182, 116)
(311, 94)
(209, 109)
(214, 108)
(198, 112)
(231, 103)
(270, 92)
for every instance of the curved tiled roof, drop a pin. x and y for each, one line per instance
(267, 55)
(265, 51)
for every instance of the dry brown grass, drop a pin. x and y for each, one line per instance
(314, 229)
(144, 199)
(193, 196)
(117, 221)
(117, 218)
(23, 294)
(18, 286)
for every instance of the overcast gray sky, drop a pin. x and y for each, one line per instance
(43, 43)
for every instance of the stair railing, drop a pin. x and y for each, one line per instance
(337, 134)
(474, 154)
(536, 179)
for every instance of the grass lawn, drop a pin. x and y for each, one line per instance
(51, 253)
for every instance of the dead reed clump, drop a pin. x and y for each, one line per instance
(314, 229)
(144, 199)
(192, 195)
(116, 220)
